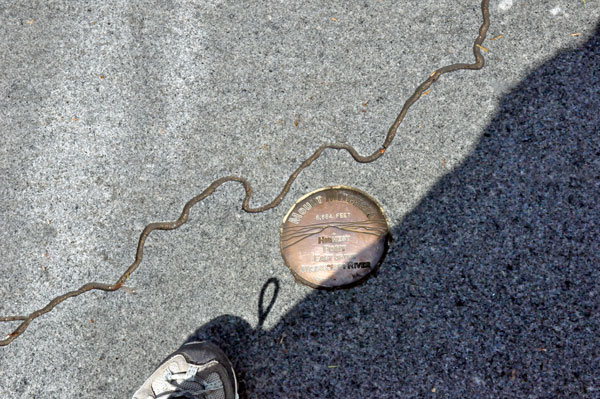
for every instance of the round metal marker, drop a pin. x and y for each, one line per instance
(334, 237)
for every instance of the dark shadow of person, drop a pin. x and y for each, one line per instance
(492, 286)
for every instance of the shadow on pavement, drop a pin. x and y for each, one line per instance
(491, 288)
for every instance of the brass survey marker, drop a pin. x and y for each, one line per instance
(25, 320)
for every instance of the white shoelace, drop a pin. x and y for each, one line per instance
(193, 388)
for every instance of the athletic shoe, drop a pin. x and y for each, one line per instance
(198, 370)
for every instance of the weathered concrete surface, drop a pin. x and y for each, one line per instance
(115, 114)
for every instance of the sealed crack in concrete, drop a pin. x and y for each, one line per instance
(419, 91)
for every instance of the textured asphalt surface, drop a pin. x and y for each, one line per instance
(114, 114)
